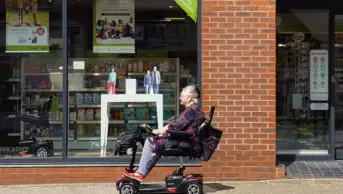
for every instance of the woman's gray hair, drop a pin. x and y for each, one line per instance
(192, 91)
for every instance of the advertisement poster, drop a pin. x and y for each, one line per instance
(27, 27)
(319, 69)
(190, 7)
(114, 26)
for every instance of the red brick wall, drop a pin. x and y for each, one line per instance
(238, 54)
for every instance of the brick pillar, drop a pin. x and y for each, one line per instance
(238, 65)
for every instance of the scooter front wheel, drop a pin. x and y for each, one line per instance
(127, 188)
(194, 188)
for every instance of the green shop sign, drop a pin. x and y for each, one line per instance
(190, 7)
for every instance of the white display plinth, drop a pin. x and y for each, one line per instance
(108, 98)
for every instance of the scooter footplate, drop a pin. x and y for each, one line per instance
(152, 188)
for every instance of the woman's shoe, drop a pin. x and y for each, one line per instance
(133, 176)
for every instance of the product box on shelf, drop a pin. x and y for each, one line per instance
(96, 98)
(81, 114)
(142, 113)
(90, 114)
(72, 116)
(97, 115)
(129, 114)
(97, 130)
(71, 100)
(79, 98)
(88, 98)
(81, 132)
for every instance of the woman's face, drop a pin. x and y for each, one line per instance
(148, 72)
(185, 98)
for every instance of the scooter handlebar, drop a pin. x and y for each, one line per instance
(147, 128)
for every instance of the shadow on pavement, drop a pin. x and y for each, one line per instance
(214, 187)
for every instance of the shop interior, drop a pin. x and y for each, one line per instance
(164, 38)
(303, 26)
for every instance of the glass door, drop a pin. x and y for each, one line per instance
(303, 82)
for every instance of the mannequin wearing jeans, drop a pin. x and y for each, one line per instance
(112, 78)
(148, 83)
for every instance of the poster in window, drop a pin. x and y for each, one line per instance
(319, 79)
(27, 27)
(114, 26)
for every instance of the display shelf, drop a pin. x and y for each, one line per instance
(58, 122)
(14, 98)
(55, 122)
(14, 80)
(98, 122)
(44, 78)
(79, 138)
(98, 106)
(94, 90)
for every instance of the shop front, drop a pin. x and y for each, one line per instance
(308, 76)
(60, 59)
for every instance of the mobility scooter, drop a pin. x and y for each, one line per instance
(177, 182)
(43, 148)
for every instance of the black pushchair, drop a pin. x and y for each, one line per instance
(125, 143)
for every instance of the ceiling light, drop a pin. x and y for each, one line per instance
(171, 19)
(170, 6)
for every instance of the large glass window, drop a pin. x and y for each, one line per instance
(30, 92)
(109, 42)
(133, 39)
(302, 81)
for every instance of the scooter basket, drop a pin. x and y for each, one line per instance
(125, 141)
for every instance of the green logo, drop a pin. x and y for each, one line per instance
(190, 7)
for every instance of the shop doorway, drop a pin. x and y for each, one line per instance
(304, 128)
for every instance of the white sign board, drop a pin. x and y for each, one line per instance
(319, 70)
(319, 106)
(130, 86)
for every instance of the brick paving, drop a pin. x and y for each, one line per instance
(314, 169)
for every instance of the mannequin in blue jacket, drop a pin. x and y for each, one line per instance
(148, 82)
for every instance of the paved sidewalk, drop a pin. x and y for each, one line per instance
(255, 187)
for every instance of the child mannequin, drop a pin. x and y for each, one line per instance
(111, 84)
(148, 83)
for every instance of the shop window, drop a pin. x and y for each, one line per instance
(30, 35)
(150, 36)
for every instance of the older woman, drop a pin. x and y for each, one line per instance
(189, 119)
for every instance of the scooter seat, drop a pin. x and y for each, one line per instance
(184, 149)
(175, 152)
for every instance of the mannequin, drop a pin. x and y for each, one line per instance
(156, 80)
(111, 83)
(148, 83)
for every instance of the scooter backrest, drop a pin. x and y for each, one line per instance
(202, 131)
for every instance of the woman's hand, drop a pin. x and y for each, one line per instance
(161, 131)
(155, 132)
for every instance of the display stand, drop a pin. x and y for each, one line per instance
(108, 98)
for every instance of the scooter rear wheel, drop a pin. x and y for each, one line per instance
(194, 188)
(127, 188)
